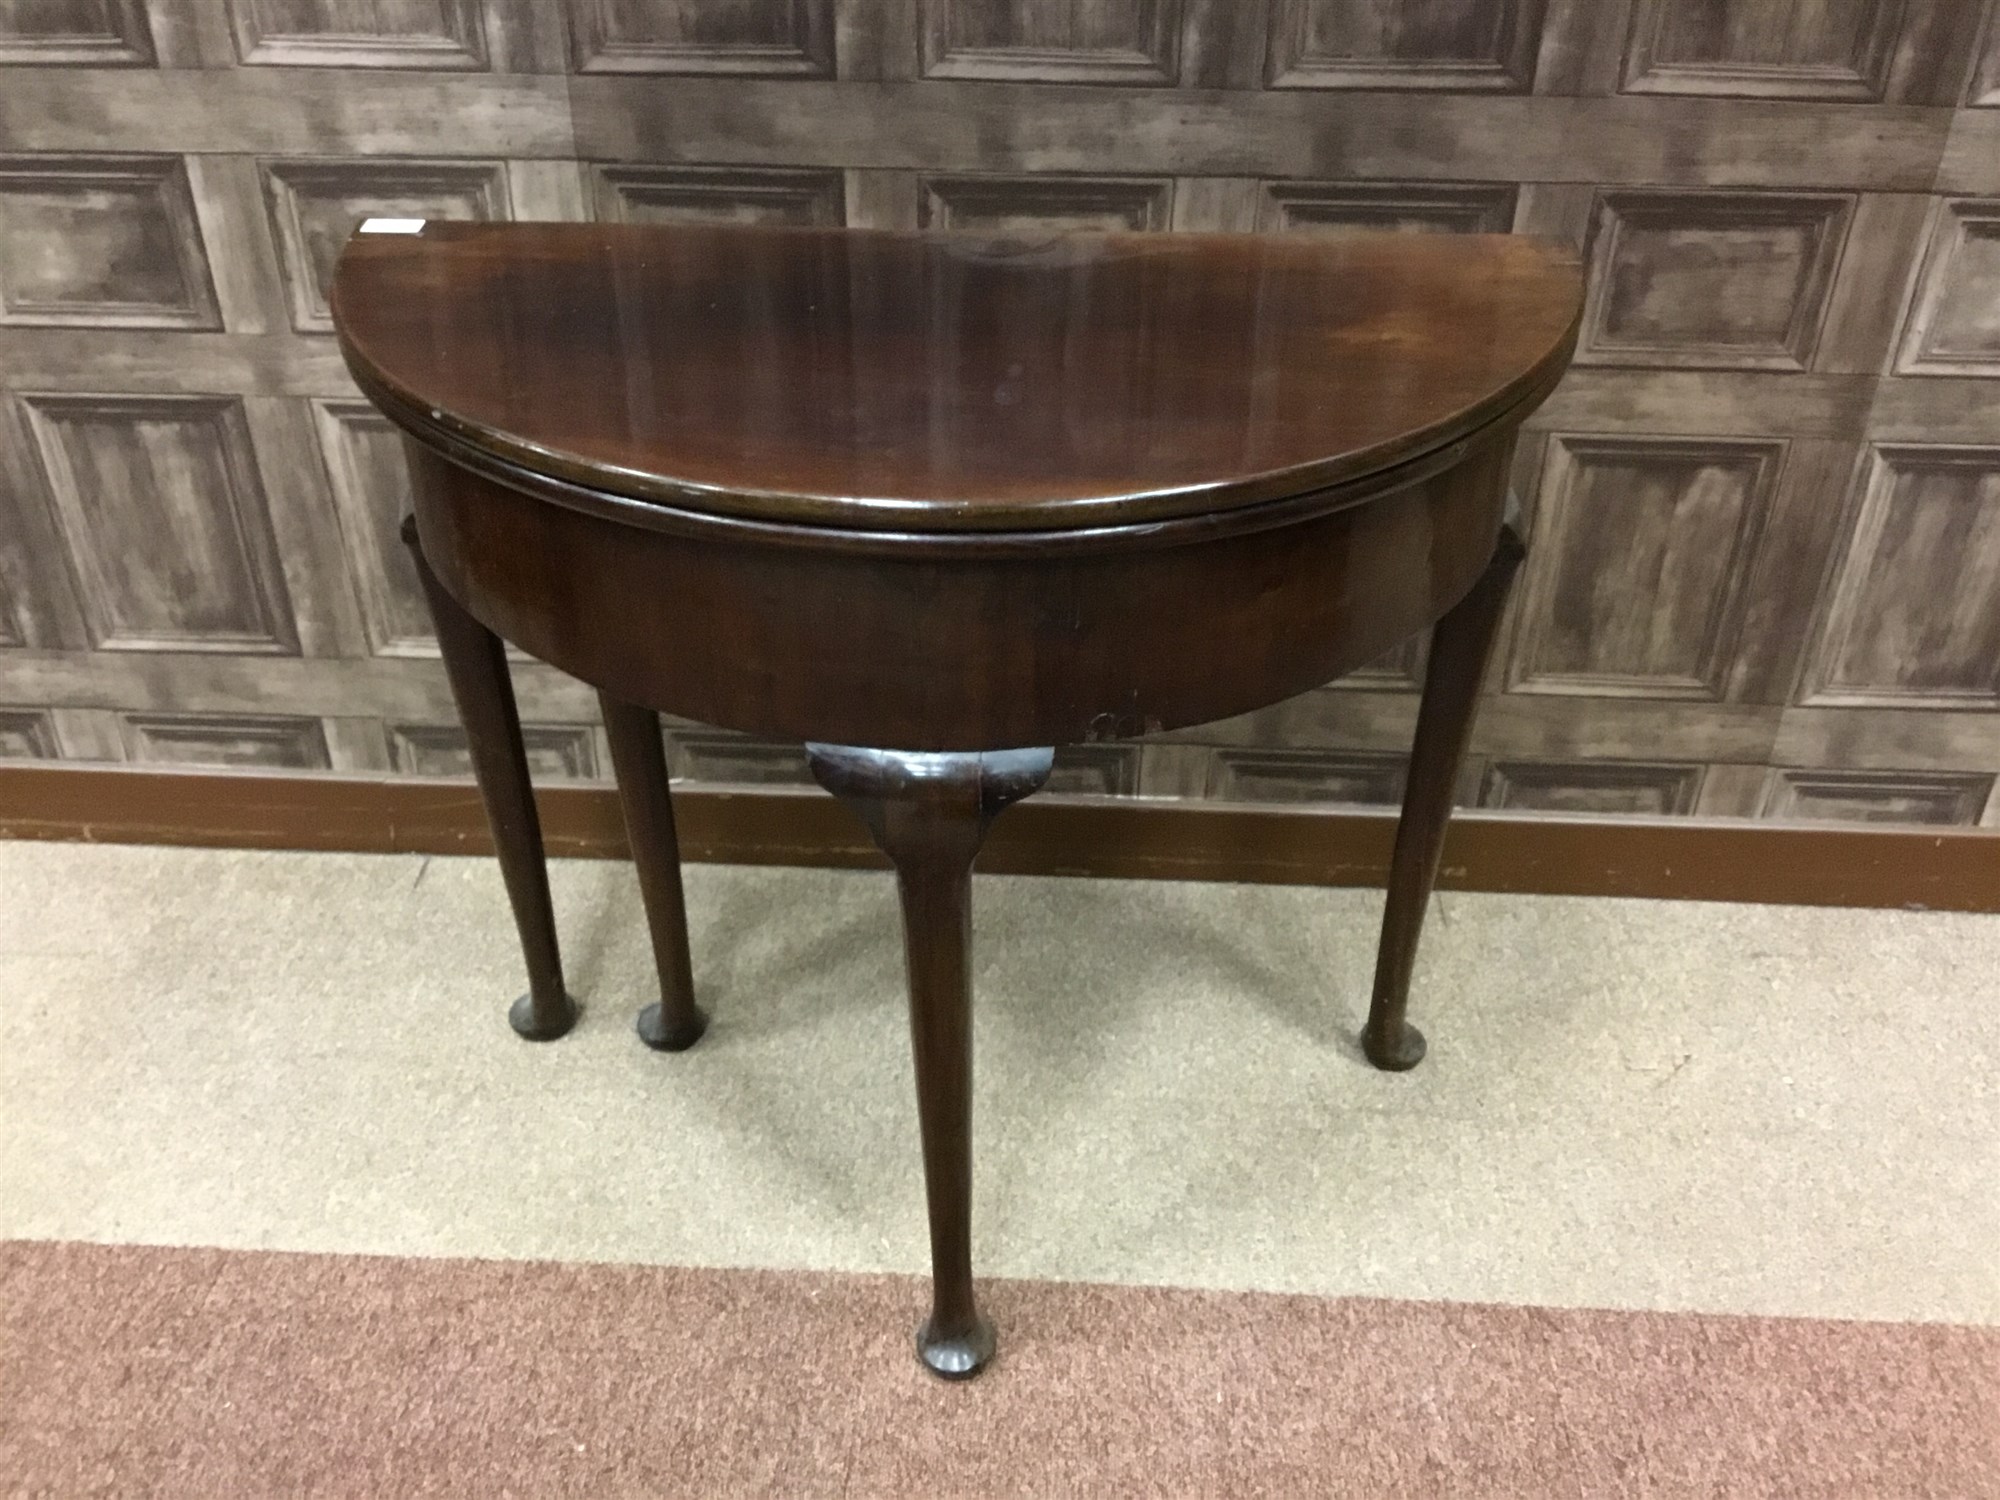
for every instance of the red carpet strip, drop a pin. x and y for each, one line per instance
(127, 1370)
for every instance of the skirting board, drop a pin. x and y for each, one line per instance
(1681, 858)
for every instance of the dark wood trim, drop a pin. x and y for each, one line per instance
(403, 815)
(1682, 858)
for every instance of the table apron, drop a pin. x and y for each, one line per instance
(937, 652)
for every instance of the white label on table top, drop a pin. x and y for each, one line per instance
(392, 226)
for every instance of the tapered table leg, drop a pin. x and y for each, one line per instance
(676, 1022)
(476, 663)
(929, 814)
(1460, 647)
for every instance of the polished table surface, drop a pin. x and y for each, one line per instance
(863, 378)
(936, 505)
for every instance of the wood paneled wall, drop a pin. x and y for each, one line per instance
(1765, 508)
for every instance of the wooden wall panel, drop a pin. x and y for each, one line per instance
(1591, 787)
(1405, 44)
(38, 605)
(1641, 549)
(269, 743)
(708, 195)
(1815, 49)
(1437, 207)
(561, 752)
(27, 734)
(1913, 617)
(1096, 770)
(1984, 88)
(363, 452)
(441, 34)
(1954, 326)
(1763, 508)
(701, 754)
(94, 33)
(163, 517)
(1306, 776)
(773, 38)
(1075, 41)
(1722, 280)
(1952, 799)
(1043, 204)
(105, 242)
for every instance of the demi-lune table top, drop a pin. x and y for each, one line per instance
(928, 382)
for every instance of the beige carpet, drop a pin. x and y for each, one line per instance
(1628, 1107)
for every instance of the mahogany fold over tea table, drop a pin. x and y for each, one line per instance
(936, 504)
